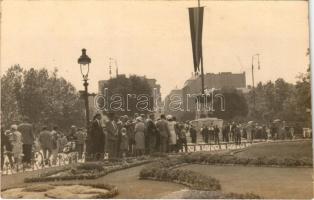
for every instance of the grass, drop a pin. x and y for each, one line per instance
(277, 183)
(298, 149)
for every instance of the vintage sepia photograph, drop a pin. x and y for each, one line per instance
(156, 99)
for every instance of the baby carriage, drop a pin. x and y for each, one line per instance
(69, 154)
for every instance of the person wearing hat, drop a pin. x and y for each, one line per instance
(45, 140)
(151, 131)
(96, 139)
(164, 133)
(5, 145)
(130, 125)
(238, 134)
(216, 134)
(182, 142)
(139, 136)
(172, 134)
(80, 140)
(71, 135)
(54, 144)
(249, 133)
(26, 129)
(15, 138)
(112, 134)
(193, 134)
(124, 144)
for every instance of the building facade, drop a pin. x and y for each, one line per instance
(192, 88)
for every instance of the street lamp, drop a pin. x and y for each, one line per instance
(84, 62)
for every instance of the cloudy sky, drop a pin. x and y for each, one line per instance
(152, 38)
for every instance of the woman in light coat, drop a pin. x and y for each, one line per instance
(139, 136)
(173, 135)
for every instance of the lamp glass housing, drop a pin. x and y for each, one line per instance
(84, 62)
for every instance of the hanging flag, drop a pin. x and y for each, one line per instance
(196, 26)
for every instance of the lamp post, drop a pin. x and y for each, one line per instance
(84, 62)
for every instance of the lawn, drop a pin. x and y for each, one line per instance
(297, 149)
(268, 182)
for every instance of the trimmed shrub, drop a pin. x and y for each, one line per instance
(242, 161)
(90, 166)
(158, 154)
(290, 162)
(82, 171)
(160, 171)
(203, 158)
(272, 161)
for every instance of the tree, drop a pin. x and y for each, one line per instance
(44, 98)
(303, 97)
(33, 94)
(11, 84)
(235, 104)
(127, 96)
(282, 92)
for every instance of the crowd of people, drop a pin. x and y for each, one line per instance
(143, 134)
(20, 142)
(135, 136)
(121, 136)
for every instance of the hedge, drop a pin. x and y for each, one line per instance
(162, 171)
(186, 177)
(93, 171)
(199, 158)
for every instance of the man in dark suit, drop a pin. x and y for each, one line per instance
(193, 134)
(26, 129)
(112, 134)
(151, 131)
(164, 133)
(45, 141)
(96, 138)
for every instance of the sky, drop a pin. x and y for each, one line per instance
(152, 38)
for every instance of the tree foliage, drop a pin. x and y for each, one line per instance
(43, 97)
(127, 95)
(282, 100)
(235, 104)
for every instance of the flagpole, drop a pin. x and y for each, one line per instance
(202, 74)
(202, 68)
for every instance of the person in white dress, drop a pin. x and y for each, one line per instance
(173, 135)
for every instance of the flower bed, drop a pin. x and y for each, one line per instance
(76, 191)
(164, 171)
(84, 171)
(186, 177)
(198, 194)
(203, 158)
